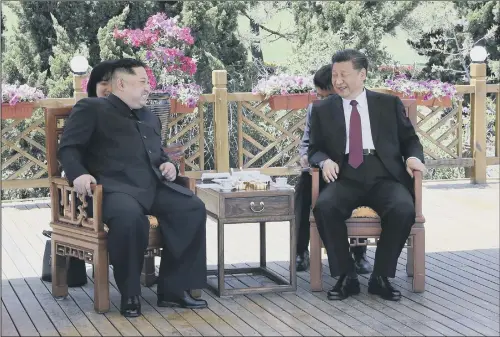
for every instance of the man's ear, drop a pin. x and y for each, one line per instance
(363, 74)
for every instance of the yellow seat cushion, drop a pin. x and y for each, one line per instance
(364, 212)
(153, 223)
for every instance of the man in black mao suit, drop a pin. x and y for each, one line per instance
(115, 141)
(367, 149)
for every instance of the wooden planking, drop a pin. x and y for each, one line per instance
(459, 298)
(8, 328)
(456, 317)
(415, 321)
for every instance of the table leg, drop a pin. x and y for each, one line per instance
(262, 244)
(220, 257)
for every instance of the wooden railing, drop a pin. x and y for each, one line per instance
(240, 130)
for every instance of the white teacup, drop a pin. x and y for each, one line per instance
(281, 181)
(226, 184)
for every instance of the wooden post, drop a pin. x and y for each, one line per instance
(219, 81)
(78, 92)
(478, 122)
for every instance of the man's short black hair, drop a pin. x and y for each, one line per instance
(323, 78)
(127, 65)
(358, 59)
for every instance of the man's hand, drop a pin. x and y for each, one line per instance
(330, 170)
(414, 164)
(304, 162)
(168, 171)
(82, 184)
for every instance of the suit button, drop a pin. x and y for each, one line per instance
(149, 151)
(144, 137)
(139, 122)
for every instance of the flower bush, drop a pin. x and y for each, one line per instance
(14, 94)
(425, 89)
(162, 44)
(283, 85)
(188, 93)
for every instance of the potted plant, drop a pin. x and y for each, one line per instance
(428, 93)
(162, 45)
(286, 92)
(18, 101)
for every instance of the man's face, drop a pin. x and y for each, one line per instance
(347, 81)
(134, 88)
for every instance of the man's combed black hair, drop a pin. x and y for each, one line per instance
(358, 59)
(127, 65)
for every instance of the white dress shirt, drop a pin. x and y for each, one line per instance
(366, 130)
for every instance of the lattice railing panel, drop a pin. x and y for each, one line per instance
(188, 129)
(441, 131)
(23, 148)
(268, 138)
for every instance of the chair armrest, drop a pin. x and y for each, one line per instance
(186, 182)
(417, 180)
(314, 171)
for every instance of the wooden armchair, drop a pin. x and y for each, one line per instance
(365, 223)
(76, 233)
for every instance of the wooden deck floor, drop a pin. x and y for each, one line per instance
(461, 297)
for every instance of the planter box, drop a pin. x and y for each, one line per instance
(291, 102)
(177, 107)
(442, 101)
(21, 110)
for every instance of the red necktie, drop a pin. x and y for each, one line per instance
(355, 137)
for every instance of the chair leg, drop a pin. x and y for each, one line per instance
(409, 258)
(59, 272)
(148, 276)
(419, 261)
(316, 269)
(101, 280)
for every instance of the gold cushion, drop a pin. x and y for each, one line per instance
(364, 212)
(153, 223)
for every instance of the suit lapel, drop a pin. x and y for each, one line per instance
(374, 111)
(339, 129)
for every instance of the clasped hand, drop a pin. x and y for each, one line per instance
(168, 171)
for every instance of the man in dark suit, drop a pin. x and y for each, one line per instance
(367, 149)
(115, 141)
(303, 190)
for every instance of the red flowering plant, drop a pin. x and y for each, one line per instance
(162, 44)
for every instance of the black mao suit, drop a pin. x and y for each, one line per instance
(121, 149)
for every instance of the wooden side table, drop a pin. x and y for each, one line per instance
(248, 207)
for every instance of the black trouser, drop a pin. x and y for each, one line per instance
(128, 240)
(303, 201)
(369, 185)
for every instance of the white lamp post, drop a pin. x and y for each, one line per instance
(478, 54)
(79, 66)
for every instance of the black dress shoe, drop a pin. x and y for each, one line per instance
(380, 285)
(186, 301)
(302, 261)
(130, 306)
(344, 287)
(361, 263)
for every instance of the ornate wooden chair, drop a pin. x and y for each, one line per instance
(76, 233)
(365, 223)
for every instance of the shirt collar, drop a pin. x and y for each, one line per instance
(361, 99)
